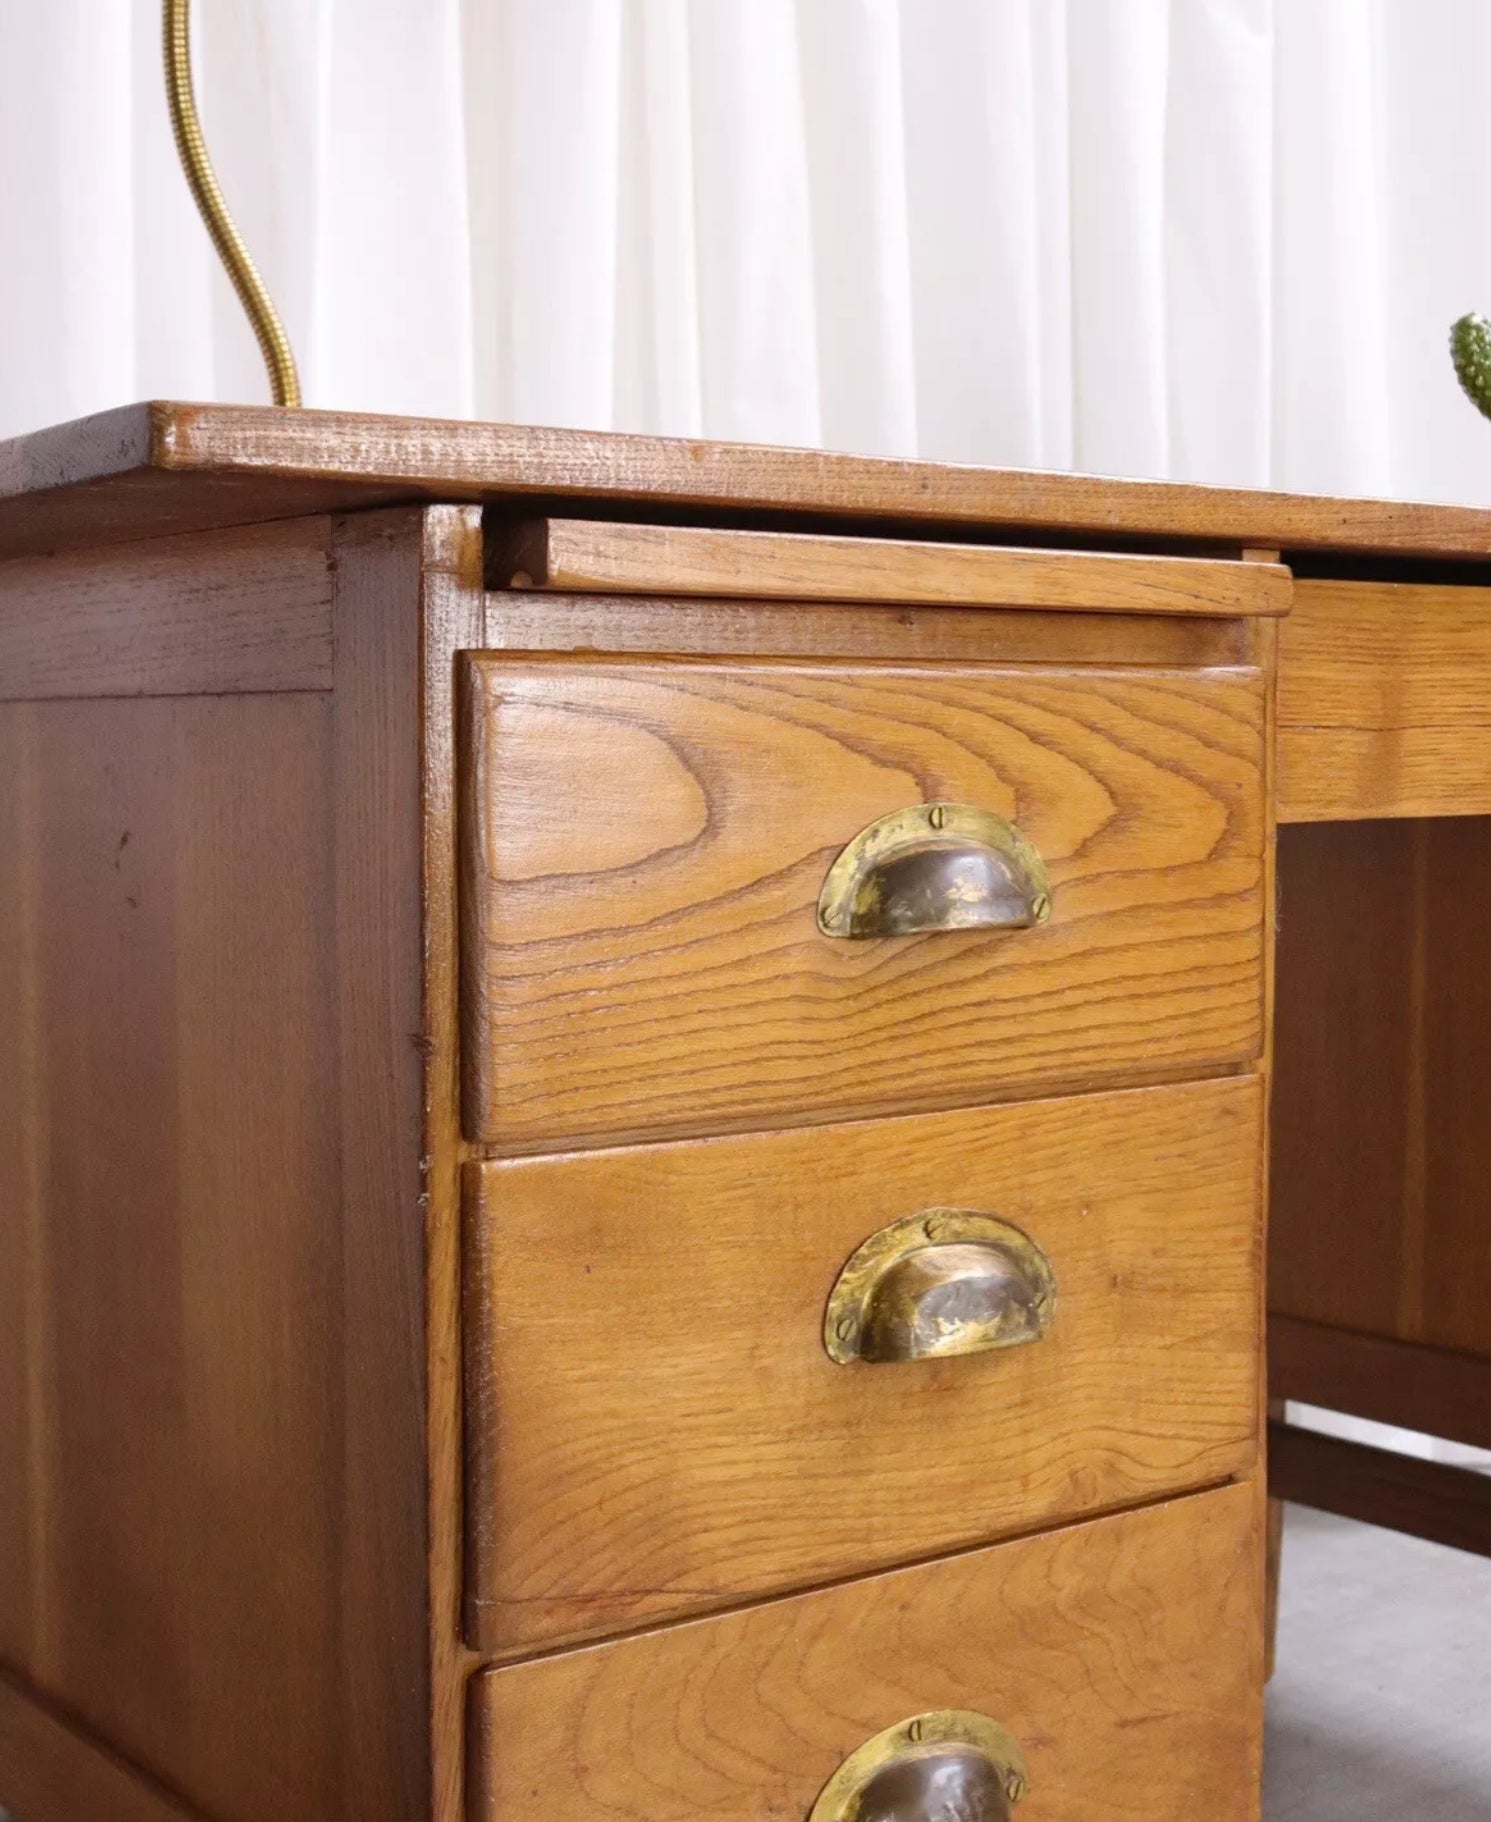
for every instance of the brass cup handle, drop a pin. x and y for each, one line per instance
(936, 866)
(948, 1763)
(944, 1281)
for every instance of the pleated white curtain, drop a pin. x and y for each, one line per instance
(1214, 239)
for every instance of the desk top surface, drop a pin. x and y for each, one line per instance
(150, 469)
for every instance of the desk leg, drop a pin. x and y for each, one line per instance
(1274, 1547)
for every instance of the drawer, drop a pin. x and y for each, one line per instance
(1383, 691)
(1122, 1657)
(654, 1425)
(646, 847)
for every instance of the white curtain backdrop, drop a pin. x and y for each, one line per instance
(1215, 239)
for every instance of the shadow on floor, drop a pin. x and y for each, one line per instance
(1380, 1709)
(1328, 1773)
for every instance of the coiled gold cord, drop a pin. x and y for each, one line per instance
(274, 344)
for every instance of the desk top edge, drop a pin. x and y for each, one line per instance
(159, 467)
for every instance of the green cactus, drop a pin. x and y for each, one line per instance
(1470, 349)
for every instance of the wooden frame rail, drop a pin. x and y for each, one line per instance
(1425, 1499)
(1437, 1391)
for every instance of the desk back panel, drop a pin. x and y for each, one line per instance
(1382, 1054)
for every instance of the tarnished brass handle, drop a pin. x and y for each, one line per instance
(949, 1763)
(936, 866)
(944, 1281)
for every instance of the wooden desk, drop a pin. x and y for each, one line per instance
(562, 990)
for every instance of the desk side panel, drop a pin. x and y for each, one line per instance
(212, 1537)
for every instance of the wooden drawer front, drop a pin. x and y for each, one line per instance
(1123, 1655)
(654, 1426)
(645, 845)
(1385, 701)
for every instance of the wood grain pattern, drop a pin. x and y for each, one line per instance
(1266, 638)
(1384, 708)
(205, 614)
(641, 835)
(143, 922)
(151, 468)
(722, 1454)
(1434, 1390)
(380, 1745)
(590, 556)
(50, 1772)
(671, 626)
(1427, 1499)
(1346, 1119)
(1273, 1568)
(451, 620)
(1123, 1654)
(211, 1512)
(1381, 1146)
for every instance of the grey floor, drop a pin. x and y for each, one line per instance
(1380, 1708)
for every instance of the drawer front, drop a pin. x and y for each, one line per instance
(1382, 701)
(654, 1423)
(1123, 1656)
(645, 845)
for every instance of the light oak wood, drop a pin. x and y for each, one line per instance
(231, 1413)
(1123, 1654)
(451, 608)
(1384, 708)
(722, 1454)
(54, 1773)
(211, 1340)
(1267, 655)
(1435, 1390)
(211, 613)
(671, 626)
(147, 469)
(1381, 1144)
(589, 556)
(641, 836)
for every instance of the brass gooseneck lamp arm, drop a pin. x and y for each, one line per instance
(274, 344)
